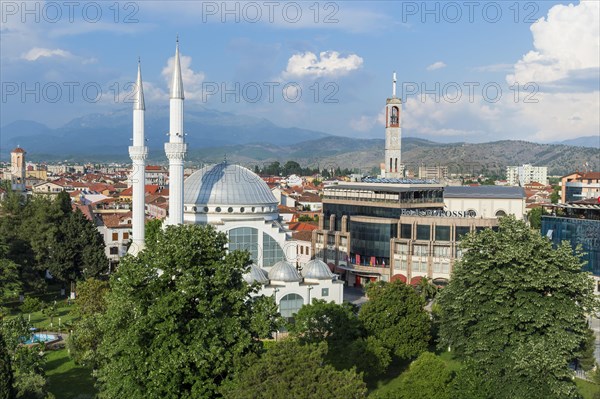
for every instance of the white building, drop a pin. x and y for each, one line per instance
(521, 175)
(486, 201)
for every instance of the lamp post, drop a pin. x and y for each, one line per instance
(309, 290)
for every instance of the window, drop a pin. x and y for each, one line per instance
(272, 252)
(218, 209)
(114, 250)
(442, 233)
(244, 238)
(301, 249)
(115, 236)
(125, 235)
(423, 232)
(289, 305)
(230, 209)
(406, 231)
(324, 291)
(420, 250)
(500, 213)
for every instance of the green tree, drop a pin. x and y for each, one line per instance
(292, 370)
(535, 218)
(152, 230)
(178, 316)
(515, 310)
(78, 250)
(10, 283)
(6, 376)
(586, 358)
(336, 324)
(427, 377)
(555, 196)
(394, 315)
(91, 297)
(426, 289)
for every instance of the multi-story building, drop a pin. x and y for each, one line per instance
(580, 185)
(433, 172)
(578, 223)
(388, 230)
(525, 174)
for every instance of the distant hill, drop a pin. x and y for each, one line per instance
(364, 155)
(587, 141)
(109, 135)
(214, 135)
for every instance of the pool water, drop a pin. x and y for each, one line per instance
(37, 337)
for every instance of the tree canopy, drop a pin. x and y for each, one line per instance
(515, 312)
(291, 370)
(394, 315)
(179, 315)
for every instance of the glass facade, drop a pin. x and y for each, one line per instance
(372, 239)
(584, 232)
(244, 238)
(376, 210)
(406, 231)
(272, 252)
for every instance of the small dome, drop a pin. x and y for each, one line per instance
(255, 274)
(318, 270)
(227, 184)
(284, 271)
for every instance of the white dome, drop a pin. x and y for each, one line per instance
(225, 184)
(284, 271)
(318, 270)
(256, 274)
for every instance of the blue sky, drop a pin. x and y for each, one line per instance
(538, 62)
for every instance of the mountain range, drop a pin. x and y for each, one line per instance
(214, 135)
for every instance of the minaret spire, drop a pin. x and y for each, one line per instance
(138, 152)
(138, 102)
(177, 84)
(176, 148)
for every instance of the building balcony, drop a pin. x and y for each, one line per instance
(380, 269)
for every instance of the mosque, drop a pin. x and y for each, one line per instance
(235, 201)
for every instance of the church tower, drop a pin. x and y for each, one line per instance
(138, 153)
(17, 169)
(393, 134)
(176, 147)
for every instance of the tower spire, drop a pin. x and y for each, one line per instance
(394, 85)
(138, 102)
(177, 84)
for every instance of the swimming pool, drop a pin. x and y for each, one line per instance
(40, 337)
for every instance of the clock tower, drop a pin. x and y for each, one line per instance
(393, 134)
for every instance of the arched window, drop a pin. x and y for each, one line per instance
(289, 305)
(272, 252)
(244, 238)
(391, 164)
(396, 166)
(394, 117)
(500, 213)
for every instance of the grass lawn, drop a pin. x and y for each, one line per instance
(587, 389)
(42, 322)
(66, 380)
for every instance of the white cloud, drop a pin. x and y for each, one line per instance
(564, 42)
(38, 52)
(328, 63)
(436, 65)
(192, 81)
(365, 123)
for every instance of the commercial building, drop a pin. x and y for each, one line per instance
(579, 186)
(386, 229)
(579, 224)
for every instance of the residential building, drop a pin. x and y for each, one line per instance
(579, 186)
(525, 174)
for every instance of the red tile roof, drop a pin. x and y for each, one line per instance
(19, 150)
(302, 226)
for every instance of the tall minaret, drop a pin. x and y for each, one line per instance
(138, 152)
(176, 147)
(393, 134)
